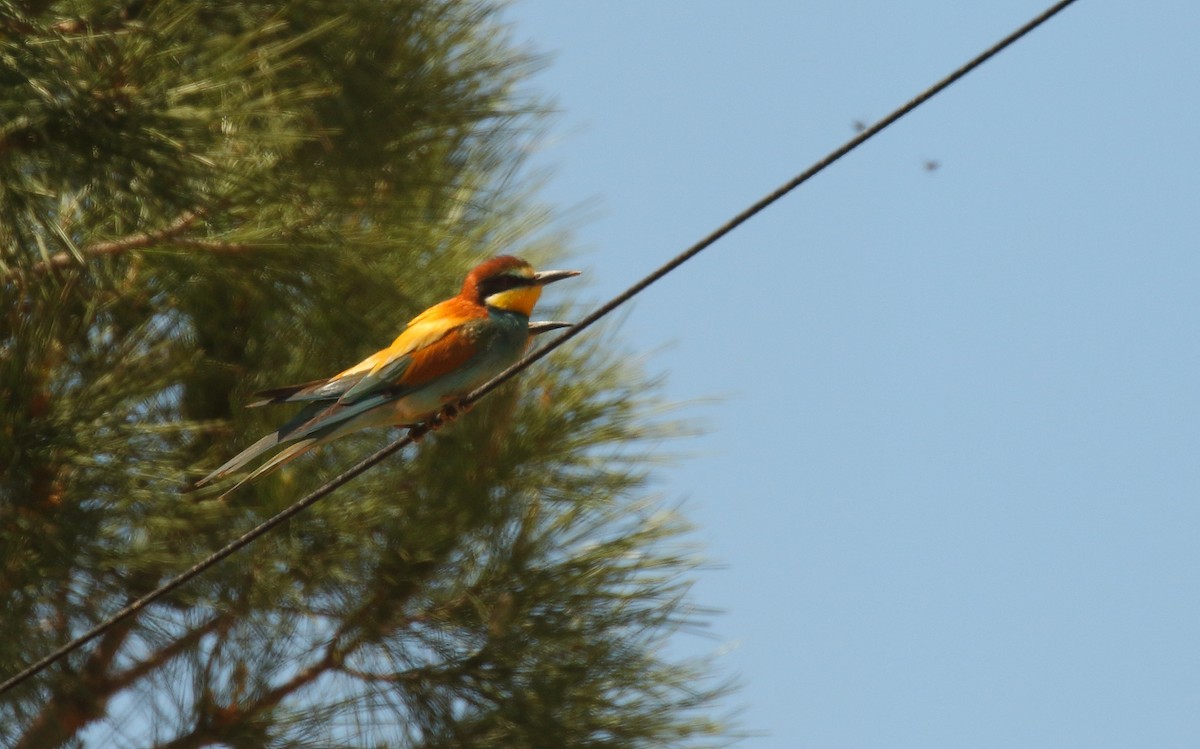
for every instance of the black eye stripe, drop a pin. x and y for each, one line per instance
(496, 284)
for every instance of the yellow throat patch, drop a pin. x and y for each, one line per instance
(520, 299)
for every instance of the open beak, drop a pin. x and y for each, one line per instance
(550, 276)
(545, 326)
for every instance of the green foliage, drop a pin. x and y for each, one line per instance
(199, 199)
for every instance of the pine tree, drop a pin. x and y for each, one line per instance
(201, 198)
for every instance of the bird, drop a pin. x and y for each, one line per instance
(441, 355)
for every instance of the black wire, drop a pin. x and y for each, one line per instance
(762, 203)
(267, 525)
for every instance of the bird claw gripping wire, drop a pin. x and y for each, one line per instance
(448, 415)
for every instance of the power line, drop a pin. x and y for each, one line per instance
(345, 477)
(765, 201)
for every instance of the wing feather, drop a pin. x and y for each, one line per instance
(389, 367)
(316, 390)
(436, 342)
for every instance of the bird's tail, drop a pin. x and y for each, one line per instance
(293, 451)
(242, 458)
(315, 425)
(289, 432)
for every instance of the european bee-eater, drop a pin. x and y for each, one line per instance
(442, 354)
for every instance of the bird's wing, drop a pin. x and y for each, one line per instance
(419, 354)
(425, 351)
(330, 388)
(437, 342)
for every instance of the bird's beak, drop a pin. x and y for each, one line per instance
(550, 276)
(545, 326)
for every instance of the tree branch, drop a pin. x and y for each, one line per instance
(217, 723)
(165, 236)
(116, 22)
(119, 246)
(22, 137)
(67, 713)
(274, 696)
(82, 699)
(178, 646)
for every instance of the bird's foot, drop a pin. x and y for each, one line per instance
(452, 411)
(448, 414)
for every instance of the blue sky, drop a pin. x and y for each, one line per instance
(952, 480)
